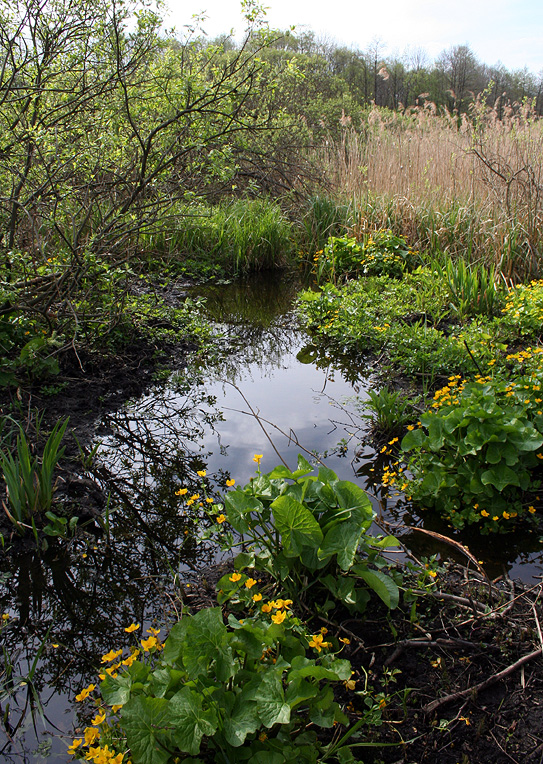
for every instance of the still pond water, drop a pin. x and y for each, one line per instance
(267, 391)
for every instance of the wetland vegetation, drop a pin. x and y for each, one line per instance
(168, 594)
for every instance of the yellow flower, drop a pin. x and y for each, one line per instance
(111, 656)
(256, 597)
(531, 510)
(484, 513)
(99, 718)
(181, 491)
(230, 482)
(345, 640)
(280, 604)
(317, 642)
(116, 707)
(201, 473)
(131, 658)
(91, 736)
(220, 519)
(85, 693)
(506, 515)
(257, 458)
(350, 684)
(154, 632)
(75, 745)
(148, 644)
(194, 497)
(279, 617)
(410, 427)
(266, 607)
(495, 518)
(250, 582)
(209, 501)
(132, 627)
(235, 577)
(5, 616)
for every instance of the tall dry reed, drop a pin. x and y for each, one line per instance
(469, 186)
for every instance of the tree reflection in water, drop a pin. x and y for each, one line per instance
(81, 594)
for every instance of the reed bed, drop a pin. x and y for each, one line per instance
(470, 186)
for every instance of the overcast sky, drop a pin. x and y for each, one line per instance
(510, 31)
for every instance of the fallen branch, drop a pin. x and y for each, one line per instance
(439, 642)
(435, 704)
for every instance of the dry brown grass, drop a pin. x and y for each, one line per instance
(470, 186)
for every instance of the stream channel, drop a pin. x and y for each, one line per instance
(267, 390)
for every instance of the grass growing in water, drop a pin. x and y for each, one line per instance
(233, 238)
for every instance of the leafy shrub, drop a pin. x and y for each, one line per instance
(245, 691)
(383, 254)
(311, 534)
(475, 453)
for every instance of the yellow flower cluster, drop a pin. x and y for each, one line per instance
(280, 605)
(523, 297)
(448, 395)
(391, 474)
(96, 753)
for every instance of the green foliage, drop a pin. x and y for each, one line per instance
(311, 534)
(390, 410)
(405, 322)
(381, 254)
(523, 311)
(472, 289)
(245, 691)
(482, 466)
(324, 218)
(29, 480)
(234, 237)
(476, 453)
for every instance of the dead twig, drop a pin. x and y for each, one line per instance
(435, 704)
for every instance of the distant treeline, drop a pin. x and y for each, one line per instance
(357, 78)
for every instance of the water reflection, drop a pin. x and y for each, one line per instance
(267, 389)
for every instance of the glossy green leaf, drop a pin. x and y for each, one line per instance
(380, 583)
(190, 720)
(296, 524)
(343, 540)
(147, 724)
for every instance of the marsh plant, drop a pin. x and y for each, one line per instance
(29, 480)
(311, 534)
(257, 689)
(381, 253)
(262, 686)
(387, 411)
(473, 289)
(475, 455)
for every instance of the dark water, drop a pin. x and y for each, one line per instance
(267, 391)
